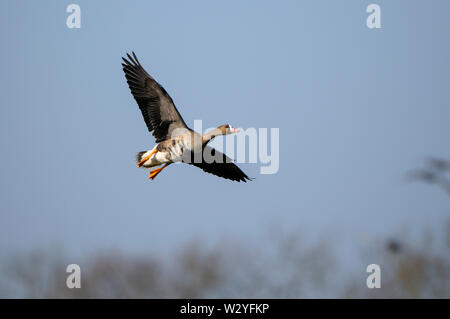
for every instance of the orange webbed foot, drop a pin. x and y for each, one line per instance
(145, 159)
(155, 172)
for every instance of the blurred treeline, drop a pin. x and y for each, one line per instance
(289, 268)
(292, 271)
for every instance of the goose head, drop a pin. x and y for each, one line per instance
(227, 129)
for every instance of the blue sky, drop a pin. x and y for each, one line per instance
(356, 108)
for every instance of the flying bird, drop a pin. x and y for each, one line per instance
(176, 142)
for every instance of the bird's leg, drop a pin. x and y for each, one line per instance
(155, 172)
(145, 159)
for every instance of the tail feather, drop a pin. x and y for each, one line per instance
(139, 156)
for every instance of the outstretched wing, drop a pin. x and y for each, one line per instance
(222, 167)
(157, 107)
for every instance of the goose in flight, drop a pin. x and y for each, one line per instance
(175, 141)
